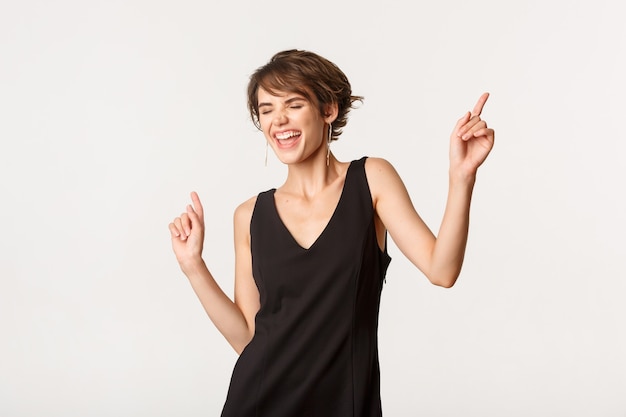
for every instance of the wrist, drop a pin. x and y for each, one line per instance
(192, 266)
(459, 178)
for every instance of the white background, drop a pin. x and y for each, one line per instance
(111, 112)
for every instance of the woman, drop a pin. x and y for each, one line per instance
(311, 255)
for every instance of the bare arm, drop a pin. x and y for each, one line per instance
(440, 258)
(235, 320)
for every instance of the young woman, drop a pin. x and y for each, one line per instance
(311, 255)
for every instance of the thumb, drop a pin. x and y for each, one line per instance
(466, 117)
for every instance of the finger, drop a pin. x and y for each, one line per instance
(478, 108)
(486, 133)
(179, 228)
(484, 138)
(196, 223)
(186, 223)
(462, 121)
(466, 117)
(468, 126)
(174, 230)
(197, 205)
(472, 131)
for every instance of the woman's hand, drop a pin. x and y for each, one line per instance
(470, 142)
(187, 233)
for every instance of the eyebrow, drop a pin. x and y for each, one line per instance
(288, 101)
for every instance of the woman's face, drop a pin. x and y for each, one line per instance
(292, 125)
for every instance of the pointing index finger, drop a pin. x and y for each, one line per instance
(478, 108)
(197, 205)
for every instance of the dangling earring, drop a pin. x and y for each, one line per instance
(330, 136)
(266, 146)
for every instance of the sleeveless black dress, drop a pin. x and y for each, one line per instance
(314, 352)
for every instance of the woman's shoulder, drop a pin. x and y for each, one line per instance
(382, 177)
(243, 212)
(247, 207)
(376, 163)
(378, 169)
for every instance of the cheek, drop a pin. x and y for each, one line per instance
(266, 132)
(264, 125)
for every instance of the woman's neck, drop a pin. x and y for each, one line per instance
(309, 177)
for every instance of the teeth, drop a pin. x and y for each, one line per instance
(286, 135)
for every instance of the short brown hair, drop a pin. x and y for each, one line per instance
(308, 74)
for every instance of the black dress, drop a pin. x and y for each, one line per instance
(315, 350)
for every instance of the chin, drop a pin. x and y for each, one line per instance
(289, 161)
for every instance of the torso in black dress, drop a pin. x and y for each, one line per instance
(314, 352)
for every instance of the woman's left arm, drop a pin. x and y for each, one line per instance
(440, 258)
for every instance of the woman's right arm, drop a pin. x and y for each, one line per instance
(235, 320)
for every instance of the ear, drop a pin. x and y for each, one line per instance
(330, 112)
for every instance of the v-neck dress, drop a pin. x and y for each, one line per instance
(315, 348)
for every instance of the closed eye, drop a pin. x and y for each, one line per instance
(295, 102)
(265, 108)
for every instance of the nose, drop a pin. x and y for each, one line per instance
(280, 117)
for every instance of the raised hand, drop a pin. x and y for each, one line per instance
(187, 233)
(471, 141)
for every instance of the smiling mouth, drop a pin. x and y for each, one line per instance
(287, 135)
(287, 138)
